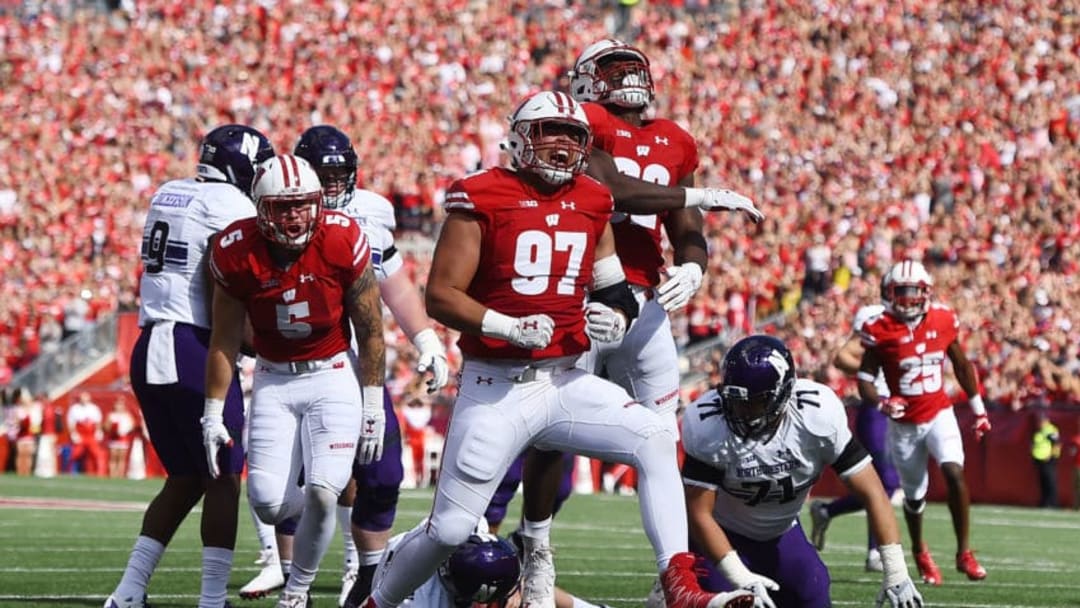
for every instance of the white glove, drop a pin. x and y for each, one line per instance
(214, 433)
(896, 585)
(373, 425)
(432, 358)
(713, 199)
(683, 282)
(532, 332)
(603, 323)
(901, 595)
(739, 575)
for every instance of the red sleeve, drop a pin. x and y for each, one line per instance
(599, 125)
(226, 263)
(688, 145)
(346, 248)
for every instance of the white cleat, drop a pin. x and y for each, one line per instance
(128, 602)
(293, 599)
(268, 580)
(347, 581)
(538, 577)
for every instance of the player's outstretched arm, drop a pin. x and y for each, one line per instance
(897, 589)
(969, 381)
(403, 299)
(453, 266)
(707, 533)
(848, 358)
(633, 195)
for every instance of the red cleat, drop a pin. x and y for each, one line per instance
(966, 563)
(681, 588)
(931, 574)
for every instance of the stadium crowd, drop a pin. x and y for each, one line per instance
(867, 131)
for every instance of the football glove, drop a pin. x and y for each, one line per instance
(683, 282)
(981, 427)
(901, 595)
(603, 323)
(373, 425)
(432, 358)
(532, 332)
(726, 200)
(738, 574)
(215, 435)
(894, 407)
(896, 585)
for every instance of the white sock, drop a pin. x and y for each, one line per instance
(371, 558)
(144, 558)
(264, 531)
(539, 532)
(344, 518)
(216, 566)
(286, 565)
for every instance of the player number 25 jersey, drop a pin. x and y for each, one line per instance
(913, 358)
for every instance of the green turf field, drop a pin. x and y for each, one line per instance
(58, 555)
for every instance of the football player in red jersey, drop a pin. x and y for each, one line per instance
(300, 274)
(521, 251)
(614, 82)
(909, 342)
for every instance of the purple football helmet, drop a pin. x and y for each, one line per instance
(332, 155)
(484, 570)
(229, 154)
(759, 375)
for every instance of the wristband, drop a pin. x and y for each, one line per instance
(694, 197)
(213, 407)
(371, 394)
(977, 405)
(866, 376)
(892, 562)
(427, 340)
(497, 325)
(733, 569)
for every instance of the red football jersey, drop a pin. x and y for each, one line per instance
(659, 151)
(298, 313)
(913, 358)
(536, 256)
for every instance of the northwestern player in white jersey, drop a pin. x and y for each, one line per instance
(755, 445)
(871, 427)
(368, 505)
(168, 363)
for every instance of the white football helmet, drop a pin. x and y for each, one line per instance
(288, 200)
(550, 136)
(611, 71)
(906, 290)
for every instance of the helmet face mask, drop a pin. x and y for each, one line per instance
(288, 201)
(330, 152)
(612, 72)
(550, 137)
(759, 376)
(906, 290)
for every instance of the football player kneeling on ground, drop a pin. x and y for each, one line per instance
(763, 437)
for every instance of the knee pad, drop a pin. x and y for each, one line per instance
(375, 507)
(915, 507)
(277, 514)
(451, 529)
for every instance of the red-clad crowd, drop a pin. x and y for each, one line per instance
(867, 131)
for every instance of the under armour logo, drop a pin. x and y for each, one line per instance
(567, 204)
(530, 325)
(483, 380)
(307, 278)
(661, 140)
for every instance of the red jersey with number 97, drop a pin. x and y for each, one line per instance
(298, 313)
(536, 255)
(913, 358)
(659, 151)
